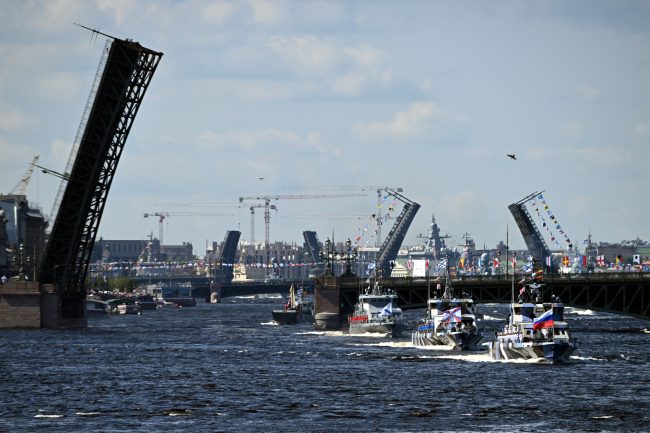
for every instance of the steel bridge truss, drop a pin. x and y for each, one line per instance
(390, 247)
(127, 73)
(534, 240)
(227, 255)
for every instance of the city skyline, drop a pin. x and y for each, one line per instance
(265, 98)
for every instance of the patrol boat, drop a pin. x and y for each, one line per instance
(377, 312)
(534, 329)
(449, 321)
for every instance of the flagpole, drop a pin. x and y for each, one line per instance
(514, 257)
(507, 247)
(428, 291)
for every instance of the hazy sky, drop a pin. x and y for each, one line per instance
(429, 96)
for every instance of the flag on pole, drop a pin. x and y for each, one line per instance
(452, 315)
(426, 263)
(544, 321)
(387, 310)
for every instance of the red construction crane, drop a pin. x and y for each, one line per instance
(162, 215)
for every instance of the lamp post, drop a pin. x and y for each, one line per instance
(327, 256)
(21, 250)
(349, 256)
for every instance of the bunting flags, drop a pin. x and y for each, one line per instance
(543, 204)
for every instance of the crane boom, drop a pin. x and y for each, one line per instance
(162, 215)
(267, 208)
(21, 186)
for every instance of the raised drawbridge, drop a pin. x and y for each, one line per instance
(532, 236)
(390, 247)
(117, 93)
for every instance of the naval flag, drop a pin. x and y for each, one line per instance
(452, 315)
(387, 311)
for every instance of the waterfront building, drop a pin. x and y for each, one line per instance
(23, 226)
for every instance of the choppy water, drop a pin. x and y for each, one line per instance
(227, 367)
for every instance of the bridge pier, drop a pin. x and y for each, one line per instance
(25, 304)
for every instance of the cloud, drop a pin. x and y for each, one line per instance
(120, 8)
(368, 70)
(418, 118)
(307, 54)
(217, 12)
(587, 93)
(11, 120)
(347, 70)
(642, 128)
(572, 130)
(265, 140)
(265, 11)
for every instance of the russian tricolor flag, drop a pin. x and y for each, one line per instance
(544, 321)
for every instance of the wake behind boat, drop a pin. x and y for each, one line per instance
(377, 312)
(534, 329)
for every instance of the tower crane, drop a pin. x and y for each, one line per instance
(267, 206)
(162, 215)
(379, 189)
(21, 186)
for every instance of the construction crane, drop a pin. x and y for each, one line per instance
(21, 186)
(379, 189)
(162, 215)
(267, 206)
(252, 209)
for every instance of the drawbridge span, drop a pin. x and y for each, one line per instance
(120, 89)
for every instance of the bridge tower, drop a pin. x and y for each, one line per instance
(118, 92)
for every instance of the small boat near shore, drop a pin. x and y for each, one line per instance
(292, 311)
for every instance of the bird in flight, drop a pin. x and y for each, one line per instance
(261, 178)
(512, 156)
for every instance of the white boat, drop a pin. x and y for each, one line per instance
(448, 321)
(534, 330)
(377, 312)
(178, 294)
(128, 308)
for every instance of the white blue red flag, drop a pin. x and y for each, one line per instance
(544, 321)
(452, 315)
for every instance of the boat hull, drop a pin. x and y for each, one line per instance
(182, 301)
(550, 352)
(287, 317)
(390, 329)
(456, 340)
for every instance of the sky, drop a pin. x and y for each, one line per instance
(315, 98)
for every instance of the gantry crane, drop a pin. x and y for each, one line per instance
(162, 215)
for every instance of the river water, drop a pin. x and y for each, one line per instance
(227, 367)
